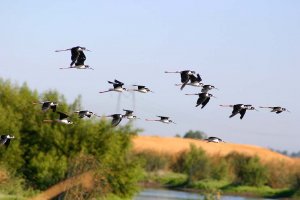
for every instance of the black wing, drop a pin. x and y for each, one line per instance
(116, 121)
(81, 58)
(184, 78)
(243, 112)
(205, 102)
(278, 111)
(53, 107)
(3, 139)
(46, 105)
(82, 113)
(163, 118)
(7, 143)
(128, 112)
(236, 110)
(201, 99)
(119, 82)
(194, 78)
(62, 115)
(74, 54)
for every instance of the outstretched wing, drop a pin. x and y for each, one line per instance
(74, 54)
(205, 102)
(184, 78)
(236, 110)
(163, 117)
(81, 58)
(128, 112)
(119, 82)
(243, 112)
(62, 115)
(201, 99)
(116, 121)
(3, 139)
(46, 105)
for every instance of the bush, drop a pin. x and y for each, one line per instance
(194, 163)
(248, 170)
(195, 135)
(153, 161)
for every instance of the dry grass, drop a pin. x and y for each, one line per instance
(173, 145)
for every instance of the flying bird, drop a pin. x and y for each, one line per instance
(76, 53)
(46, 105)
(206, 88)
(162, 119)
(185, 76)
(5, 140)
(117, 118)
(194, 81)
(129, 114)
(240, 108)
(203, 99)
(214, 139)
(118, 87)
(141, 89)
(276, 109)
(63, 119)
(85, 113)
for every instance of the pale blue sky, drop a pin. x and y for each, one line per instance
(248, 49)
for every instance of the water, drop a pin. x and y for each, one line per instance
(163, 194)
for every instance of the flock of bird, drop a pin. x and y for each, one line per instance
(188, 77)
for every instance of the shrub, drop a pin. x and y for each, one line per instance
(248, 170)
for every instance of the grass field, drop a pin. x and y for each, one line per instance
(173, 145)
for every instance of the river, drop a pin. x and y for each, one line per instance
(164, 194)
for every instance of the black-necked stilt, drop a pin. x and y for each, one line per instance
(118, 87)
(194, 81)
(63, 119)
(46, 105)
(203, 98)
(141, 88)
(117, 118)
(206, 88)
(214, 139)
(79, 64)
(276, 109)
(240, 108)
(5, 140)
(85, 113)
(185, 76)
(129, 114)
(76, 53)
(162, 119)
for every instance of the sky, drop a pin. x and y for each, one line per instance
(247, 49)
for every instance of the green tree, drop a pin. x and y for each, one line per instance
(195, 135)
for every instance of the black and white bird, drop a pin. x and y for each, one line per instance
(46, 105)
(194, 81)
(206, 88)
(141, 89)
(203, 99)
(76, 54)
(162, 119)
(118, 87)
(185, 76)
(5, 140)
(117, 118)
(276, 109)
(85, 113)
(240, 108)
(63, 119)
(129, 114)
(214, 139)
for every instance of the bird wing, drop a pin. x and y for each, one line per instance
(236, 110)
(62, 115)
(205, 89)
(193, 78)
(3, 139)
(81, 58)
(53, 107)
(116, 121)
(205, 102)
(201, 99)
(82, 113)
(74, 54)
(185, 77)
(199, 79)
(242, 112)
(277, 112)
(128, 112)
(46, 105)
(7, 143)
(119, 82)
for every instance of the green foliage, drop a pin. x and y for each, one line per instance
(248, 170)
(43, 153)
(195, 164)
(195, 135)
(153, 161)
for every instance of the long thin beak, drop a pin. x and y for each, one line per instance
(214, 97)
(288, 111)
(216, 88)
(97, 115)
(88, 50)
(256, 109)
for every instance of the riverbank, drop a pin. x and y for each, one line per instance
(178, 181)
